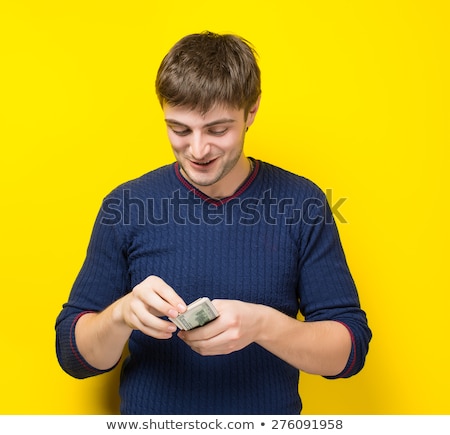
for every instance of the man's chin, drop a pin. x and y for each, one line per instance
(202, 181)
(199, 179)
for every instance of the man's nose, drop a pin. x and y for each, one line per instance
(199, 146)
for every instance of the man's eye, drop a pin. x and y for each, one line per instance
(181, 132)
(220, 132)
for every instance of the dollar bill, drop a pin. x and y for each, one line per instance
(198, 313)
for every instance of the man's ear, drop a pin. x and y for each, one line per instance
(252, 112)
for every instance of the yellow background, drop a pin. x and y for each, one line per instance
(355, 97)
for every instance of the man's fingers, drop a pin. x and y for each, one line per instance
(151, 325)
(162, 297)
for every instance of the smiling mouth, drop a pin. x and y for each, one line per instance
(203, 163)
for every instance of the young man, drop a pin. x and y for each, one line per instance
(258, 241)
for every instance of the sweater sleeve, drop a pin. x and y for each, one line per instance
(326, 289)
(102, 279)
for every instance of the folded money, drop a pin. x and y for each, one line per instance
(198, 313)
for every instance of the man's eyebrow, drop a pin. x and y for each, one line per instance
(220, 121)
(174, 121)
(209, 124)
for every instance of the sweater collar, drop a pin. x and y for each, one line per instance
(240, 190)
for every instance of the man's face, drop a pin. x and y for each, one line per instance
(209, 147)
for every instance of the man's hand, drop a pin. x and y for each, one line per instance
(321, 347)
(236, 327)
(142, 308)
(101, 336)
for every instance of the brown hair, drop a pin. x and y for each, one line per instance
(206, 69)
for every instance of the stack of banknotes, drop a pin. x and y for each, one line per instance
(198, 313)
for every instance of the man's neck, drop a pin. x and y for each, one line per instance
(230, 183)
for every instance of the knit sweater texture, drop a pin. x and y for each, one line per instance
(274, 242)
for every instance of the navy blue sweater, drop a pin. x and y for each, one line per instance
(274, 242)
